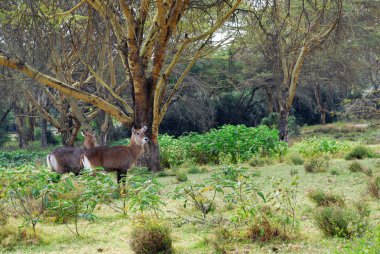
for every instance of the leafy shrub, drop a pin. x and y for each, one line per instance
(228, 144)
(356, 167)
(373, 186)
(316, 146)
(195, 195)
(74, 198)
(334, 172)
(151, 237)
(181, 176)
(370, 243)
(359, 152)
(27, 190)
(139, 193)
(341, 221)
(321, 198)
(316, 165)
(296, 158)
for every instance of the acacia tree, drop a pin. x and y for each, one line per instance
(289, 31)
(145, 31)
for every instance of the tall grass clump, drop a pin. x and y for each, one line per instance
(296, 158)
(373, 186)
(316, 165)
(359, 153)
(321, 198)
(356, 167)
(151, 237)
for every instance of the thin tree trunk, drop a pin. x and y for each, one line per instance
(19, 121)
(43, 137)
(283, 125)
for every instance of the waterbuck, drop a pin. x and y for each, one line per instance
(67, 159)
(117, 158)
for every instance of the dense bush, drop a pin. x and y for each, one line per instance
(151, 237)
(317, 146)
(341, 221)
(229, 144)
(359, 152)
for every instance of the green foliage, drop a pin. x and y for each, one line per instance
(321, 198)
(76, 197)
(140, 192)
(229, 144)
(27, 190)
(356, 167)
(316, 146)
(359, 152)
(195, 194)
(272, 121)
(341, 221)
(316, 165)
(20, 157)
(150, 237)
(369, 243)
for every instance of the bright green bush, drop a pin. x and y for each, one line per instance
(228, 144)
(316, 146)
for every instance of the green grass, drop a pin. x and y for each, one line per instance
(110, 232)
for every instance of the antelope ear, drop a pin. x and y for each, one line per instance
(144, 128)
(133, 129)
(93, 133)
(83, 133)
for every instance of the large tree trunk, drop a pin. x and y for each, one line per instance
(43, 138)
(283, 125)
(144, 116)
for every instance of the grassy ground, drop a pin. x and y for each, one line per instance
(110, 232)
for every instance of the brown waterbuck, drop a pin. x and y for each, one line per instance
(67, 159)
(116, 158)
